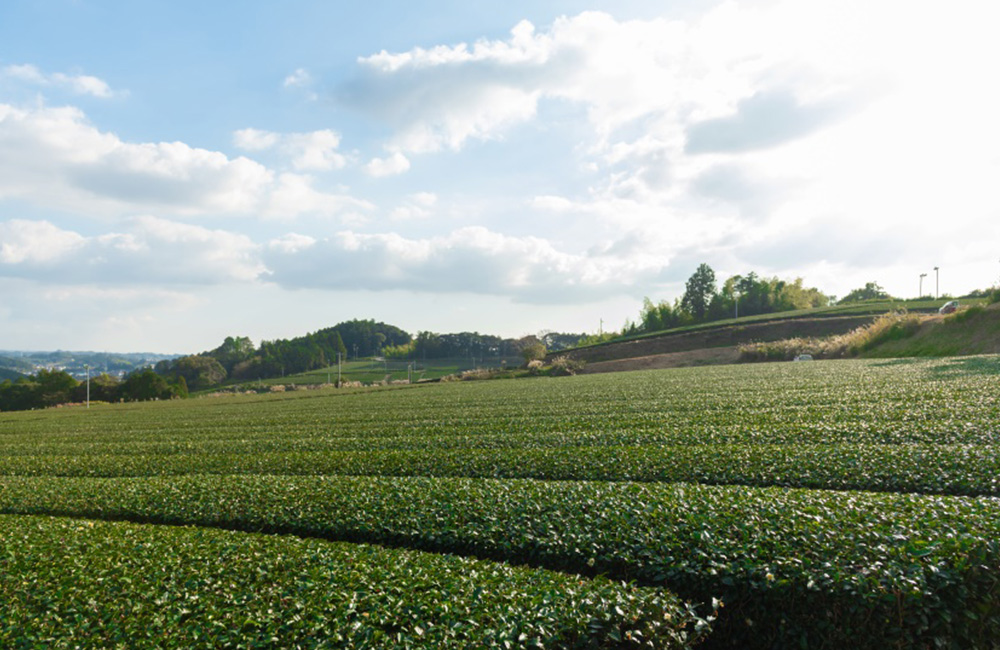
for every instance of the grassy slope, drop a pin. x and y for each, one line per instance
(872, 308)
(971, 331)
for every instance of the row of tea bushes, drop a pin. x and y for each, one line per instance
(968, 470)
(823, 568)
(949, 401)
(68, 583)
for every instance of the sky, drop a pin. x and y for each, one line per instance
(173, 172)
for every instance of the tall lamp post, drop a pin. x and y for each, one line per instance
(937, 283)
(87, 366)
(921, 293)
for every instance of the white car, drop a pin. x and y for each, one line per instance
(949, 307)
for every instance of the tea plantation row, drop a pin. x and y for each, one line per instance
(882, 569)
(441, 468)
(79, 584)
(851, 402)
(970, 470)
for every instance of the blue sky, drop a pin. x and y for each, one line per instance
(175, 172)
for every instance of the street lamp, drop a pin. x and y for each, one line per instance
(87, 366)
(920, 294)
(937, 284)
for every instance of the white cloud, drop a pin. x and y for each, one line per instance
(294, 195)
(255, 139)
(551, 203)
(79, 84)
(297, 79)
(471, 259)
(416, 206)
(395, 163)
(35, 242)
(313, 151)
(150, 250)
(55, 158)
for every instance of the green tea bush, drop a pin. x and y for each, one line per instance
(967, 470)
(81, 584)
(883, 570)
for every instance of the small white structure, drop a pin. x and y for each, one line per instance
(803, 357)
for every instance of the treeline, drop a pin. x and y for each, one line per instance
(52, 387)
(740, 295)
(430, 345)
(238, 359)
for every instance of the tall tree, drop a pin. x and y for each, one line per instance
(698, 291)
(871, 291)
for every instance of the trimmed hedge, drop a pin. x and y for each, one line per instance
(967, 470)
(70, 583)
(820, 568)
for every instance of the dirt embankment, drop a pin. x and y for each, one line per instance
(709, 346)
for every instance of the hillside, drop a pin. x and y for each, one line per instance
(6, 373)
(973, 330)
(705, 346)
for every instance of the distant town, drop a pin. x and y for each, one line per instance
(115, 364)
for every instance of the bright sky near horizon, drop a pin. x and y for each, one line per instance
(173, 172)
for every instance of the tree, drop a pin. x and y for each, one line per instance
(198, 371)
(145, 384)
(533, 352)
(233, 350)
(698, 291)
(871, 291)
(54, 387)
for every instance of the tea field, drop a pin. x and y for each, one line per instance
(818, 505)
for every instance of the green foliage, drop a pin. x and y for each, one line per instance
(886, 570)
(594, 339)
(533, 352)
(740, 295)
(97, 584)
(198, 372)
(699, 291)
(760, 551)
(45, 388)
(953, 469)
(10, 375)
(145, 385)
(871, 291)
(233, 351)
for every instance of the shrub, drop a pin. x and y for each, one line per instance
(563, 365)
(533, 352)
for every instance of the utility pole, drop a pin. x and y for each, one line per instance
(87, 366)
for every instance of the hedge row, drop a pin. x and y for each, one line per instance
(968, 470)
(951, 401)
(70, 583)
(820, 568)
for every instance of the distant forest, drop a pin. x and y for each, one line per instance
(238, 359)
